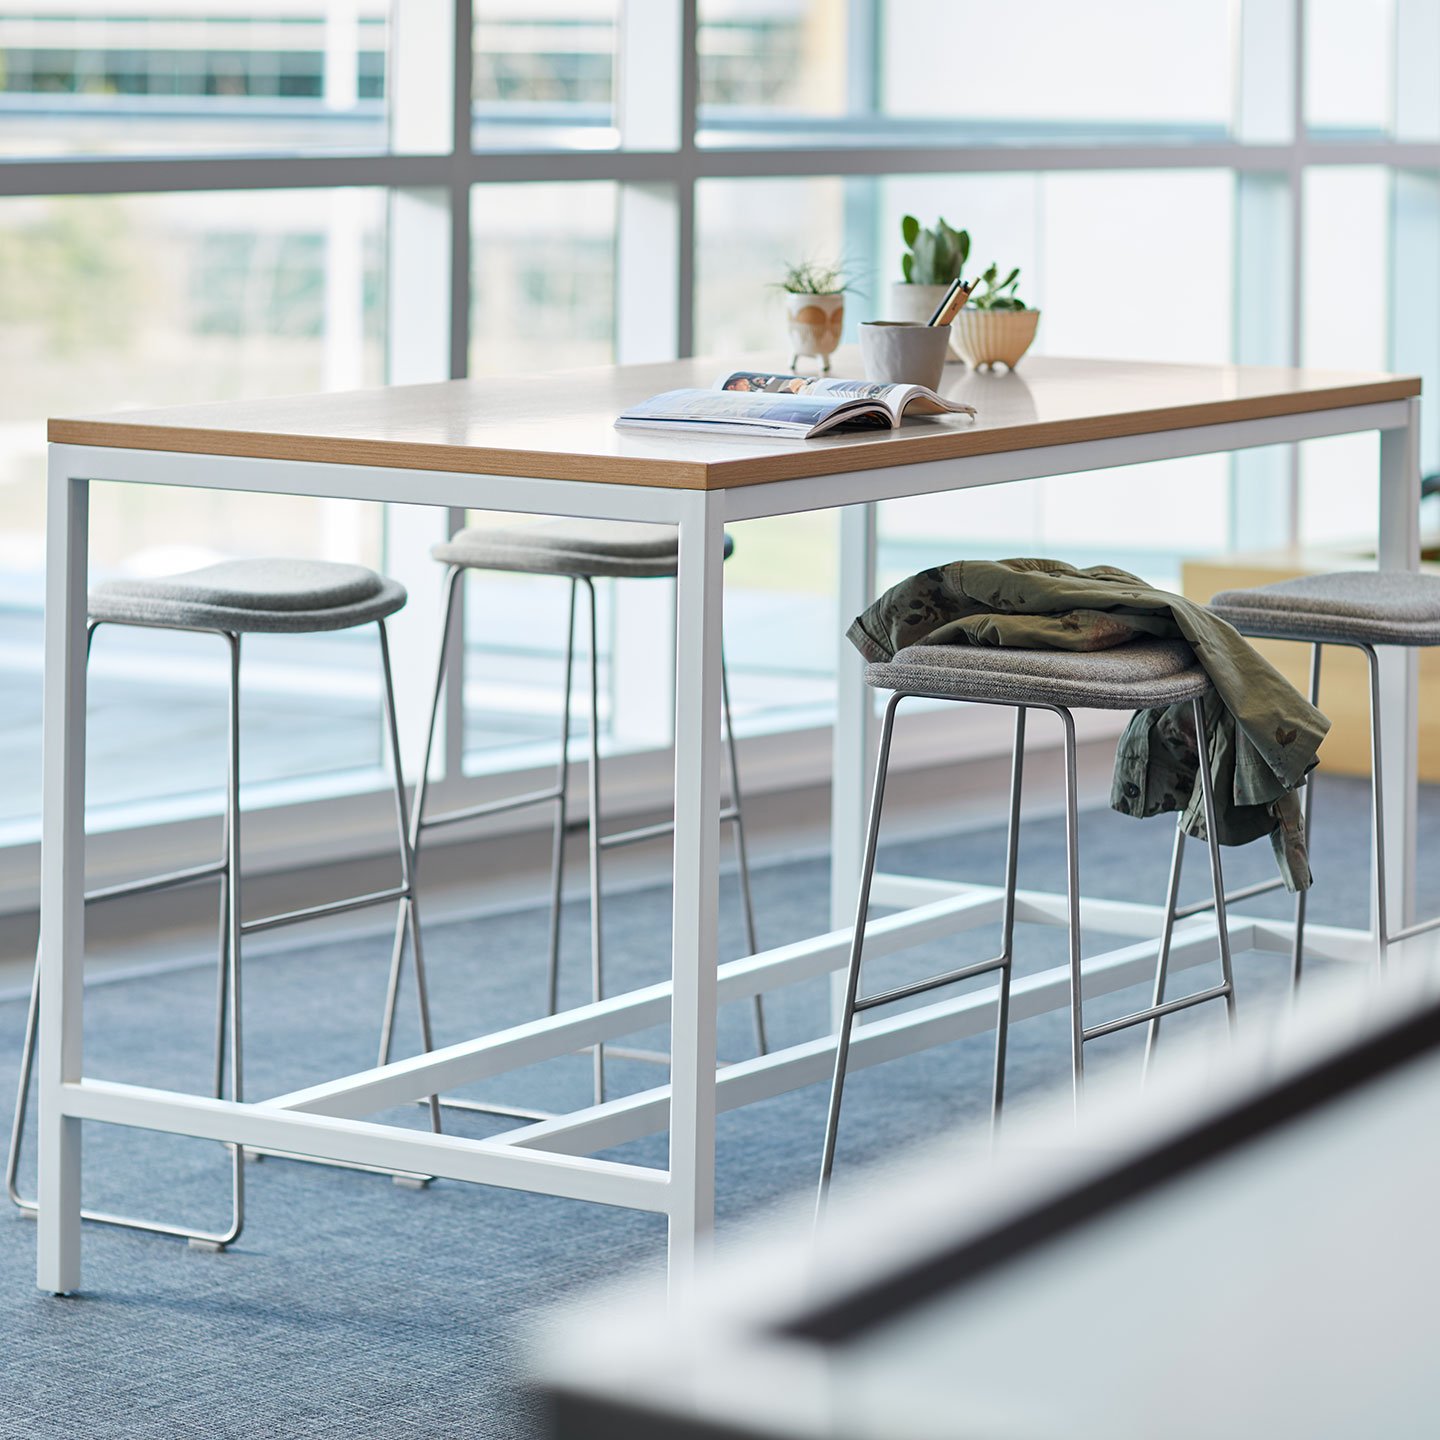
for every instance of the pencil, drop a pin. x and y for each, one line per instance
(954, 303)
(941, 307)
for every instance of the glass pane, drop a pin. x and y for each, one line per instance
(515, 674)
(543, 298)
(544, 73)
(767, 63)
(1115, 69)
(542, 276)
(108, 302)
(1158, 231)
(1348, 73)
(93, 77)
(746, 231)
(778, 586)
(1346, 235)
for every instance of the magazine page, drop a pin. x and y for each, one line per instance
(773, 412)
(898, 399)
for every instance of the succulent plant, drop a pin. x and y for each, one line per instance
(999, 296)
(935, 256)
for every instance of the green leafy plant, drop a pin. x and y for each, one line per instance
(935, 256)
(997, 296)
(815, 277)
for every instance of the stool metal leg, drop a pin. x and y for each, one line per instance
(1167, 932)
(1072, 900)
(408, 916)
(562, 815)
(1218, 901)
(407, 920)
(1377, 800)
(597, 944)
(416, 818)
(742, 859)
(229, 988)
(857, 947)
(1007, 922)
(1297, 948)
(854, 1002)
(1217, 877)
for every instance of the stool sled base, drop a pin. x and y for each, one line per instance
(228, 1027)
(1002, 963)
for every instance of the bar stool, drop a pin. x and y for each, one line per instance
(233, 599)
(1143, 674)
(1360, 609)
(580, 551)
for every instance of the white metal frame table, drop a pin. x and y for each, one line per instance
(550, 448)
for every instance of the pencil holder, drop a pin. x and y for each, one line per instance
(895, 352)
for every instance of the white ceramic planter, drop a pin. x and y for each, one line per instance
(994, 337)
(814, 323)
(917, 303)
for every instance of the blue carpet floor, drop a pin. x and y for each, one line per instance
(352, 1307)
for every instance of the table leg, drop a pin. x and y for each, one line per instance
(699, 607)
(854, 741)
(62, 879)
(1399, 668)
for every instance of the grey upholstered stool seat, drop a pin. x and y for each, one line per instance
(1359, 609)
(619, 549)
(1140, 675)
(1376, 607)
(248, 597)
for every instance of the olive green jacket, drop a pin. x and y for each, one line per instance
(1262, 735)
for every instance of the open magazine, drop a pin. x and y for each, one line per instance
(749, 402)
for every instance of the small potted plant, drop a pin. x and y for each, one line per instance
(995, 327)
(932, 261)
(814, 308)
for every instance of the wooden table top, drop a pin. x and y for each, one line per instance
(561, 426)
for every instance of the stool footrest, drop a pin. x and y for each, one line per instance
(920, 987)
(152, 883)
(491, 807)
(645, 832)
(333, 907)
(493, 1107)
(1154, 1012)
(1247, 892)
(1410, 931)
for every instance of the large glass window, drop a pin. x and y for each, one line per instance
(110, 302)
(94, 77)
(1106, 151)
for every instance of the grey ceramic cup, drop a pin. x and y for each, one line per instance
(897, 352)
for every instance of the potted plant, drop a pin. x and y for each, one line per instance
(996, 326)
(814, 308)
(932, 261)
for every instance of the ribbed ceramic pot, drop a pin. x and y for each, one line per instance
(994, 337)
(814, 323)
